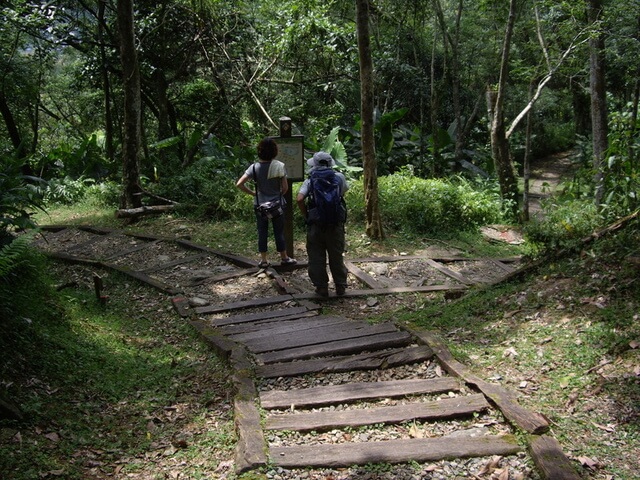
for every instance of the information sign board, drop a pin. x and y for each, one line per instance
(291, 153)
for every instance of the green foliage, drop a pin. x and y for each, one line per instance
(21, 268)
(622, 169)
(19, 197)
(207, 187)
(66, 191)
(66, 349)
(563, 224)
(429, 206)
(103, 194)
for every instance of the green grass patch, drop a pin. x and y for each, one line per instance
(108, 387)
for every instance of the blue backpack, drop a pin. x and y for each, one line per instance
(326, 205)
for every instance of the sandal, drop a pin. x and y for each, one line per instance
(288, 261)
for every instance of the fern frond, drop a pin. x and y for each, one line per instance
(13, 254)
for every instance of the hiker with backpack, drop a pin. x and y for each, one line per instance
(270, 179)
(321, 201)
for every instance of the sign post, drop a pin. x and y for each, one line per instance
(291, 153)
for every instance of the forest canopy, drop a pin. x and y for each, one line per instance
(172, 96)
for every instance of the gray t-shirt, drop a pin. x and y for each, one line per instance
(269, 177)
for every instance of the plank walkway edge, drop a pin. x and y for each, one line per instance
(251, 446)
(550, 460)
(393, 451)
(531, 422)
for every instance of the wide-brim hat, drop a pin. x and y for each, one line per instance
(321, 159)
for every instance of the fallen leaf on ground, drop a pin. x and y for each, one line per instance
(490, 466)
(510, 352)
(607, 428)
(53, 436)
(589, 462)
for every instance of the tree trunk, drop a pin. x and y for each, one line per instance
(499, 142)
(10, 123)
(527, 162)
(132, 107)
(599, 125)
(106, 85)
(371, 201)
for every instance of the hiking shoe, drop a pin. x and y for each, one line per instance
(264, 264)
(288, 261)
(340, 290)
(322, 291)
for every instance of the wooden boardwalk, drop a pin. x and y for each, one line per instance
(280, 331)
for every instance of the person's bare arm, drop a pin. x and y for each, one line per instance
(241, 184)
(302, 205)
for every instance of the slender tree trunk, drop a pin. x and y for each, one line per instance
(106, 86)
(371, 201)
(527, 161)
(10, 123)
(599, 124)
(499, 142)
(132, 107)
(437, 169)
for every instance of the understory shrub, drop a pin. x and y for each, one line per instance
(207, 187)
(430, 206)
(21, 269)
(563, 224)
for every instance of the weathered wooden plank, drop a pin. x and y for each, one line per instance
(366, 361)
(339, 347)
(256, 302)
(253, 317)
(532, 422)
(251, 445)
(73, 259)
(326, 420)
(179, 261)
(342, 331)
(264, 324)
(552, 463)
(137, 248)
(181, 305)
(157, 284)
(221, 277)
(450, 273)
(350, 392)
(439, 258)
(268, 331)
(281, 283)
(501, 265)
(393, 451)
(363, 276)
(221, 344)
(383, 291)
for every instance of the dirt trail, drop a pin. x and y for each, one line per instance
(547, 176)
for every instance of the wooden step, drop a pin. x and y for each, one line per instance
(351, 392)
(314, 336)
(326, 420)
(366, 361)
(369, 343)
(393, 451)
(296, 326)
(263, 324)
(254, 317)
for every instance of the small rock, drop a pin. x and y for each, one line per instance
(198, 302)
